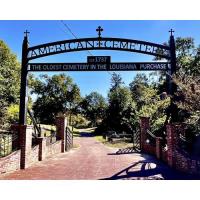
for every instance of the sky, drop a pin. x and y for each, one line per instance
(11, 32)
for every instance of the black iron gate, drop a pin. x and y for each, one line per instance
(137, 138)
(68, 139)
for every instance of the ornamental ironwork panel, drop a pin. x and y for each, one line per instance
(102, 43)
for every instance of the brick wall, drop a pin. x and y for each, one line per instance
(148, 148)
(25, 135)
(61, 125)
(173, 155)
(33, 156)
(177, 158)
(164, 154)
(28, 155)
(10, 162)
(53, 149)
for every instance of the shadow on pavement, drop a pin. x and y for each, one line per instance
(128, 150)
(150, 170)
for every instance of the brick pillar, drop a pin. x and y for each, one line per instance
(61, 124)
(144, 125)
(42, 148)
(16, 142)
(25, 135)
(171, 144)
(158, 147)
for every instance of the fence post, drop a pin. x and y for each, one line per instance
(144, 126)
(42, 148)
(61, 124)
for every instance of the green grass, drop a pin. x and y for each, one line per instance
(47, 129)
(75, 146)
(118, 144)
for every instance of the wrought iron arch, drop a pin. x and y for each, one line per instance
(105, 43)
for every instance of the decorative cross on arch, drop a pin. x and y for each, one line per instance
(99, 30)
(171, 32)
(26, 33)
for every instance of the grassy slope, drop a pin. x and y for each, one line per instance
(118, 144)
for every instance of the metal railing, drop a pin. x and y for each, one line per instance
(51, 137)
(8, 143)
(137, 138)
(69, 139)
(183, 143)
(151, 138)
(37, 129)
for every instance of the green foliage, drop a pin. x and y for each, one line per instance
(120, 109)
(56, 94)
(120, 98)
(156, 110)
(94, 107)
(78, 121)
(189, 98)
(185, 103)
(9, 75)
(9, 80)
(142, 93)
(116, 81)
(189, 89)
(13, 113)
(148, 102)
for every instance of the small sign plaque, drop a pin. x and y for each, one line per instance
(98, 59)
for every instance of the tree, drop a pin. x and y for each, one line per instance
(148, 101)
(116, 81)
(187, 98)
(56, 94)
(188, 64)
(9, 80)
(137, 87)
(188, 60)
(120, 107)
(94, 107)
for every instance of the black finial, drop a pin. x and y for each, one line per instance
(171, 32)
(26, 33)
(99, 30)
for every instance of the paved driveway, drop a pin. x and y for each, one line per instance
(93, 160)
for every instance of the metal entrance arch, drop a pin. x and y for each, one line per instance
(96, 43)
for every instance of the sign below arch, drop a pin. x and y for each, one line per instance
(85, 67)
